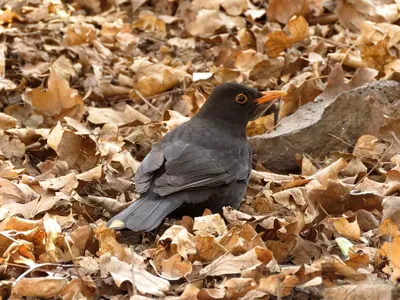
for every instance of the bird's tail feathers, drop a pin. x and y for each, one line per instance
(145, 214)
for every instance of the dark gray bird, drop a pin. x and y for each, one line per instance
(203, 163)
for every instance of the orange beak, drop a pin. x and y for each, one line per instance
(270, 95)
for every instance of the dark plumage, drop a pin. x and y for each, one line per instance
(203, 163)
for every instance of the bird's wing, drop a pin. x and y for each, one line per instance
(151, 163)
(190, 166)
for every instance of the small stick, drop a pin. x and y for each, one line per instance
(148, 102)
(369, 173)
(35, 267)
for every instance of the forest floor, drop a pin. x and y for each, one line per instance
(88, 86)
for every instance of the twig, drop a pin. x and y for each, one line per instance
(166, 93)
(133, 271)
(72, 258)
(154, 96)
(347, 53)
(332, 42)
(9, 237)
(324, 19)
(36, 267)
(336, 137)
(148, 102)
(370, 171)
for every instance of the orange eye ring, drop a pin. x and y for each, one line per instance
(241, 98)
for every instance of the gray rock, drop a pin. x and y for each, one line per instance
(326, 125)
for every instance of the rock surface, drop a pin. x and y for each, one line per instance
(327, 125)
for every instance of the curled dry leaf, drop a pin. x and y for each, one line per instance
(260, 125)
(278, 284)
(283, 11)
(230, 264)
(66, 184)
(208, 248)
(239, 287)
(376, 32)
(79, 33)
(354, 13)
(121, 271)
(278, 41)
(108, 115)
(43, 287)
(58, 101)
(346, 228)
(174, 268)
(148, 21)
(205, 22)
(358, 291)
(180, 241)
(154, 79)
(10, 147)
(7, 122)
(211, 224)
(173, 119)
(77, 150)
(376, 55)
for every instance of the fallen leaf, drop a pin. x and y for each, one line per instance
(230, 264)
(145, 282)
(278, 41)
(58, 101)
(346, 228)
(45, 287)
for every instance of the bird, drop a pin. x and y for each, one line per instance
(202, 163)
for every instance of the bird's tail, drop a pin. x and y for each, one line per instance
(145, 214)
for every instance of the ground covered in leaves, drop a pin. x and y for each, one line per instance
(87, 86)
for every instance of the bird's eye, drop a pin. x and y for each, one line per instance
(241, 98)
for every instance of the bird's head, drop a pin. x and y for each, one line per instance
(236, 103)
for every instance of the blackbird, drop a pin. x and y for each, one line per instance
(203, 163)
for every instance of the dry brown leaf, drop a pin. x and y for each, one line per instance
(375, 32)
(283, 11)
(7, 122)
(208, 248)
(234, 7)
(369, 147)
(359, 291)
(230, 264)
(148, 21)
(181, 241)
(173, 119)
(10, 147)
(206, 21)
(44, 287)
(108, 115)
(66, 184)
(58, 101)
(155, 79)
(260, 125)
(239, 287)
(8, 16)
(77, 150)
(211, 224)
(83, 288)
(329, 173)
(278, 284)
(121, 271)
(353, 13)
(346, 228)
(279, 41)
(80, 33)
(174, 268)
(377, 56)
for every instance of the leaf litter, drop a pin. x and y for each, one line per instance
(87, 87)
